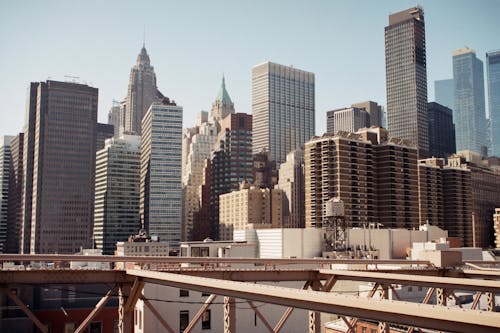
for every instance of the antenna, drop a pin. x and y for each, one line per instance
(144, 35)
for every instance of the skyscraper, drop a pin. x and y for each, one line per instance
(406, 78)
(351, 179)
(444, 92)
(282, 109)
(14, 216)
(115, 118)
(198, 144)
(373, 109)
(59, 167)
(346, 119)
(161, 175)
(230, 165)
(222, 105)
(103, 132)
(142, 91)
(469, 108)
(374, 175)
(264, 172)
(291, 181)
(5, 167)
(27, 175)
(116, 207)
(493, 75)
(445, 196)
(441, 131)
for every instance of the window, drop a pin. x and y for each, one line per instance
(183, 320)
(183, 293)
(69, 327)
(95, 327)
(205, 320)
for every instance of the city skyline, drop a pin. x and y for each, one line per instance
(191, 53)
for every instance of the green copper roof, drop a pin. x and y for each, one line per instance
(223, 95)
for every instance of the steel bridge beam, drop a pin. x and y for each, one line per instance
(427, 316)
(99, 306)
(63, 276)
(201, 260)
(416, 280)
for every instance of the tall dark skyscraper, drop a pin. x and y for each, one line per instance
(493, 74)
(441, 131)
(406, 78)
(103, 132)
(59, 168)
(142, 91)
(469, 109)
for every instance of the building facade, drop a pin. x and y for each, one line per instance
(347, 119)
(250, 208)
(14, 215)
(116, 204)
(485, 197)
(115, 118)
(430, 191)
(374, 110)
(374, 175)
(493, 77)
(103, 132)
(198, 144)
(161, 164)
(264, 171)
(445, 197)
(142, 91)
(230, 164)
(283, 109)
(406, 78)
(291, 182)
(496, 224)
(339, 166)
(59, 167)
(441, 131)
(397, 183)
(5, 169)
(469, 107)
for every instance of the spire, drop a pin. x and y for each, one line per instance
(143, 57)
(223, 95)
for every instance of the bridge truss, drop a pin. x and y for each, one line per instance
(238, 278)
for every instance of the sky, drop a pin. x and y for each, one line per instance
(192, 43)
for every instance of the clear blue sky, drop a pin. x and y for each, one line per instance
(192, 43)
